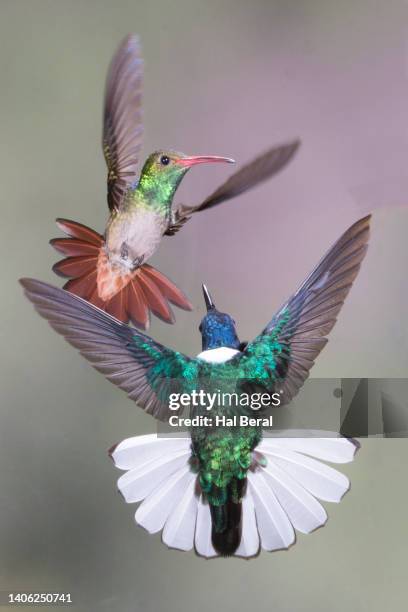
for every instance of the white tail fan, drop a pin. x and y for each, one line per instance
(280, 496)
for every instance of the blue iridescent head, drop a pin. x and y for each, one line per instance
(217, 328)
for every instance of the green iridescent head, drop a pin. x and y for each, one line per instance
(163, 171)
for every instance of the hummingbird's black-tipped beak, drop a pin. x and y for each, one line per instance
(208, 299)
(192, 160)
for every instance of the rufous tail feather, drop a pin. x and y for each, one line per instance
(128, 297)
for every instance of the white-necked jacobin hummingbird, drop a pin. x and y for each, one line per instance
(111, 271)
(224, 490)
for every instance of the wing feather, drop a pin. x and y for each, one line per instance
(122, 119)
(292, 340)
(126, 357)
(246, 177)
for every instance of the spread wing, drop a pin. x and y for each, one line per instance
(145, 369)
(122, 120)
(254, 173)
(285, 351)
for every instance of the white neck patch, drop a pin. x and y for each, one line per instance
(217, 355)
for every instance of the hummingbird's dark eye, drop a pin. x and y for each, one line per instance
(164, 160)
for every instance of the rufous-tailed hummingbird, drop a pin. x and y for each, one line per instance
(111, 271)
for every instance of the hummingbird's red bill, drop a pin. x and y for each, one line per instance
(192, 160)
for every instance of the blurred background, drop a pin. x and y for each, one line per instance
(227, 77)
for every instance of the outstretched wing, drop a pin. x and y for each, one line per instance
(257, 171)
(122, 120)
(287, 348)
(145, 369)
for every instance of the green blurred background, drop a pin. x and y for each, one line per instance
(228, 77)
